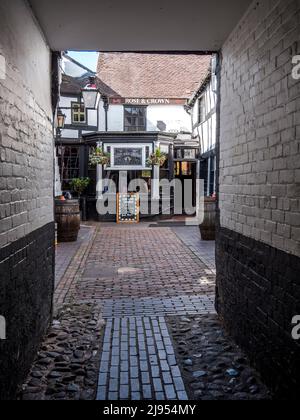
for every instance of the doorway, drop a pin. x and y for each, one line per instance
(187, 171)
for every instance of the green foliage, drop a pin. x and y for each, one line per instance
(157, 158)
(80, 184)
(99, 157)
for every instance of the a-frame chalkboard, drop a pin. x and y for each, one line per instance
(128, 208)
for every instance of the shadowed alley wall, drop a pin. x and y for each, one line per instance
(26, 191)
(258, 244)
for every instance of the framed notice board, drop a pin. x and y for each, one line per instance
(128, 208)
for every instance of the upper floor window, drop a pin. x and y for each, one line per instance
(135, 118)
(201, 109)
(78, 113)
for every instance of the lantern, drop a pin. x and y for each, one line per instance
(91, 95)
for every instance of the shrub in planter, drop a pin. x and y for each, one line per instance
(208, 227)
(158, 158)
(78, 185)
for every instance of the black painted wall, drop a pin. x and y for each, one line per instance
(258, 294)
(26, 292)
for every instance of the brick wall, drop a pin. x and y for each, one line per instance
(26, 140)
(260, 127)
(26, 289)
(258, 238)
(26, 191)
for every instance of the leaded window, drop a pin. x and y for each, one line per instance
(135, 118)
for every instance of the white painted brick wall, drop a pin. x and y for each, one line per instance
(260, 126)
(26, 139)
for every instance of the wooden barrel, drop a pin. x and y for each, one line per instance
(67, 217)
(208, 227)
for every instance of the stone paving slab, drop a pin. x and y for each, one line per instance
(179, 305)
(204, 250)
(138, 361)
(65, 252)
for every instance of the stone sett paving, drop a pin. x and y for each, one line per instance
(138, 361)
(178, 305)
(156, 296)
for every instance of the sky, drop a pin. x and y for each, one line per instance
(88, 59)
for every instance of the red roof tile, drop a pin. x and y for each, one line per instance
(147, 75)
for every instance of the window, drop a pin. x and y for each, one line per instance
(78, 113)
(128, 157)
(189, 153)
(202, 111)
(68, 161)
(135, 118)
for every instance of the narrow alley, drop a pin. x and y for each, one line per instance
(149, 201)
(136, 320)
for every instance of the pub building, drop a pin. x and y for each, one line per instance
(143, 108)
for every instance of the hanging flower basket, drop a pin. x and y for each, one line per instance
(98, 157)
(157, 158)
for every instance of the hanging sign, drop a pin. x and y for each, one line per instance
(147, 101)
(128, 208)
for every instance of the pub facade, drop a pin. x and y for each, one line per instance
(136, 120)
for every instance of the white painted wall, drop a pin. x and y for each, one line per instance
(26, 136)
(174, 116)
(206, 131)
(92, 117)
(65, 104)
(260, 127)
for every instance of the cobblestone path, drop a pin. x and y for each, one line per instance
(141, 275)
(160, 338)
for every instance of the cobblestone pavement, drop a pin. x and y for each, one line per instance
(67, 364)
(157, 298)
(213, 367)
(66, 367)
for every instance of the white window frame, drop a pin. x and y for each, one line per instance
(114, 146)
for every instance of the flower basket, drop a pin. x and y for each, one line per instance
(157, 158)
(98, 157)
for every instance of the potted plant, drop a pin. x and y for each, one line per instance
(158, 158)
(208, 227)
(99, 157)
(79, 185)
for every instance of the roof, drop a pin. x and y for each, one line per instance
(73, 85)
(153, 75)
(76, 76)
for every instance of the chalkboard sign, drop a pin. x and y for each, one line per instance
(128, 208)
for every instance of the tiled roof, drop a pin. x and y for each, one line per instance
(147, 75)
(73, 85)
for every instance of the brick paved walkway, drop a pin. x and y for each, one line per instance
(65, 252)
(161, 338)
(141, 275)
(205, 250)
(134, 262)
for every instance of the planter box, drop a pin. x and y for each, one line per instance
(67, 217)
(208, 227)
